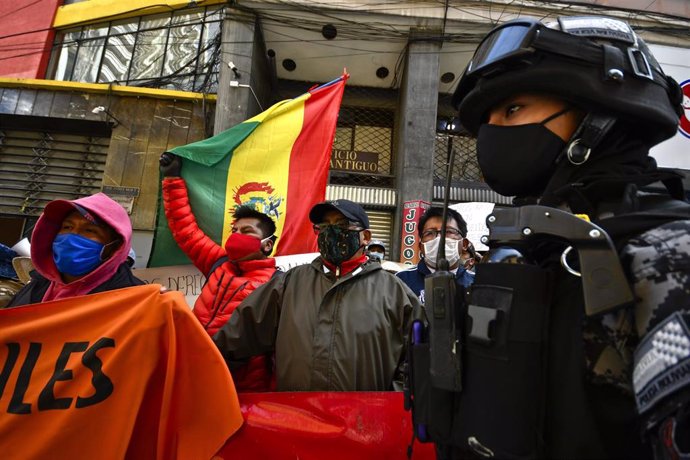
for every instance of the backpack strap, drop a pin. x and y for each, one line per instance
(215, 265)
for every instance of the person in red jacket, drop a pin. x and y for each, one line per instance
(232, 271)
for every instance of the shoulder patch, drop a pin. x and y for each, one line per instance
(597, 27)
(662, 362)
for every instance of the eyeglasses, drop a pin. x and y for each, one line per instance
(432, 233)
(343, 225)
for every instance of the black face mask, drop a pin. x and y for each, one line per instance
(518, 160)
(337, 245)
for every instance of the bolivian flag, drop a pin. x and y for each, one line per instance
(276, 162)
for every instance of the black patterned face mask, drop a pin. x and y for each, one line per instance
(337, 245)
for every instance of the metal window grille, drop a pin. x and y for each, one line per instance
(178, 50)
(38, 166)
(467, 183)
(465, 165)
(363, 147)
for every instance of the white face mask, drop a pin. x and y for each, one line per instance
(376, 255)
(431, 251)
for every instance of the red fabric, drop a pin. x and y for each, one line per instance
(347, 266)
(313, 425)
(229, 284)
(309, 164)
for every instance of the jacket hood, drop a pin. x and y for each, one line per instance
(47, 228)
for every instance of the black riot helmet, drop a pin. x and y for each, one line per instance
(596, 63)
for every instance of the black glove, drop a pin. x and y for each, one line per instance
(170, 164)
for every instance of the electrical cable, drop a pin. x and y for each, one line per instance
(274, 18)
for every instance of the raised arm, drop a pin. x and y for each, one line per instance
(198, 246)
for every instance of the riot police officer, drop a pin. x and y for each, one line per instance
(565, 114)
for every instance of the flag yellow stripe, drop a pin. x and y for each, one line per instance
(264, 159)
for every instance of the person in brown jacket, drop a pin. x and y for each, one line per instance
(339, 323)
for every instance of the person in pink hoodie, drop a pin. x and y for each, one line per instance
(79, 247)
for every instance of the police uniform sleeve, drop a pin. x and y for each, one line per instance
(252, 327)
(659, 262)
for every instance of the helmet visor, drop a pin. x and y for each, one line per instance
(512, 39)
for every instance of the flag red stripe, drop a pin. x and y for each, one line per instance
(309, 163)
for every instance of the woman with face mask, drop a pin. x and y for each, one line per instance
(79, 247)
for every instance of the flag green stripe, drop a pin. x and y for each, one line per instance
(210, 151)
(205, 165)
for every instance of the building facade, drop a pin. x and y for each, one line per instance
(93, 91)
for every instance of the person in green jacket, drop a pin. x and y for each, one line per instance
(339, 323)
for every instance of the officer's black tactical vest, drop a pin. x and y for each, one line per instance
(522, 389)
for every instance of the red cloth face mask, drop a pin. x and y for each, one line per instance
(240, 245)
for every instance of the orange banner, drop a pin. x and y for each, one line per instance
(121, 374)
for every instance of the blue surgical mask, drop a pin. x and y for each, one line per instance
(76, 255)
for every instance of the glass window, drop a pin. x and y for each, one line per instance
(183, 46)
(209, 44)
(214, 13)
(118, 51)
(180, 83)
(178, 50)
(185, 18)
(377, 140)
(89, 54)
(209, 56)
(465, 165)
(156, 21)
(362, 148)
(147, 61)
(67, 55)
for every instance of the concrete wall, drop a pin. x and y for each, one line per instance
(416, 124)
(245, 91)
